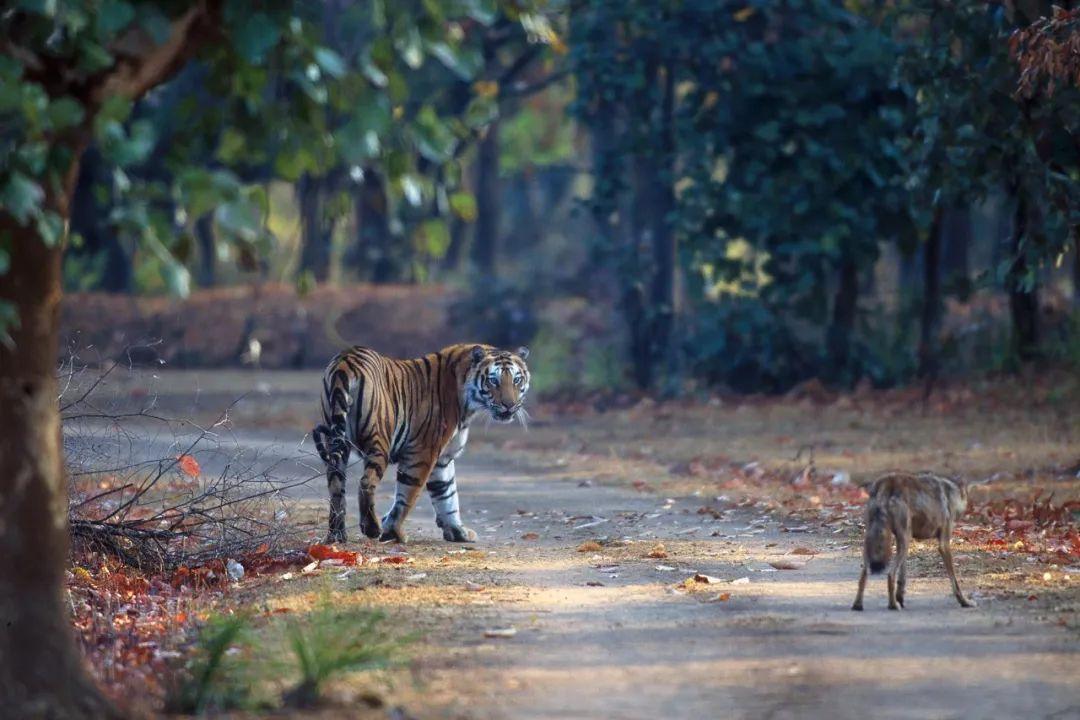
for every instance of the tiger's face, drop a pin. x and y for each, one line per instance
(498, 382)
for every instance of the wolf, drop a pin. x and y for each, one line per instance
(906, 506)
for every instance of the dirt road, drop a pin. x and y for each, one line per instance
(611, 632)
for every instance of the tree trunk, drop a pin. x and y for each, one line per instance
(956, 237)
(1076, 265)
(41, 671)
(931, 305)
(1023, 304)
(204, 234)
(374, 241)
(838, 337)
(665, 249)
(459, 237)
(315, 229)
(485, 249)
(99, 240)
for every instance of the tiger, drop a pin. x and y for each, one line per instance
(414, 413)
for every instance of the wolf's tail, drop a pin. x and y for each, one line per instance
(877, 548)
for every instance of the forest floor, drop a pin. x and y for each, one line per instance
(694, 559)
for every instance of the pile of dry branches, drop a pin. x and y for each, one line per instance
(158, 493)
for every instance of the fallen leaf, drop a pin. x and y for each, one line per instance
(803, 551)
(594, 583)
(188, 465)
(721, 597)
(658, 552)
(589, 546)
(530, 536)
(473, 587)
(707, 579)
(395, 560)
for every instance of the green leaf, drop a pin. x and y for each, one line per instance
(113, 16)
(240, 219)
(410, 47)
(433, 139)
(481, 112)
(330, 62)
(177, 278)
(463, 204)
(64, 112)
(93, 57)
(483, 11)
(434, 237)
(50, 227)
(463, 62)
(232, 147)
(21, 197)
(255, 37)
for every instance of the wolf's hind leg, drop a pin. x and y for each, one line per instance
(901, 583)
(857, 605)
(946, 556)
(897, 564)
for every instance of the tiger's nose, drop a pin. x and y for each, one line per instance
(509, 406)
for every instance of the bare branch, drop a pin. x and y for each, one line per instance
(142, 65)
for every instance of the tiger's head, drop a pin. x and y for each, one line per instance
(497, 382)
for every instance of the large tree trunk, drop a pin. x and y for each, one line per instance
(931, 305)
(842, 326)
(204, 234)
(315, 229)
(41, 671)
(1023, 303)
(485, 249)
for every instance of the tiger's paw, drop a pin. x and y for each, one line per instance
(370, 526)
(458, 533)
(393, 533)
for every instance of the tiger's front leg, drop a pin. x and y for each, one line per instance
(442, 486)
(411, 478)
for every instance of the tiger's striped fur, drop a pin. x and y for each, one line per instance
(414, 413)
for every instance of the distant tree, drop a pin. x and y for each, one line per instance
(768, 125)
(974, 134)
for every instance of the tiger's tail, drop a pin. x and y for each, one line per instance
(331, 438)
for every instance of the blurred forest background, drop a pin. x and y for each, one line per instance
(662, 194)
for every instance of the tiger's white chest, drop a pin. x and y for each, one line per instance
(455, 445)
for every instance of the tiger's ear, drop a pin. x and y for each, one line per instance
(523, 352)
(478, 353)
